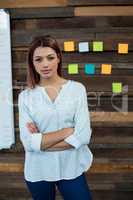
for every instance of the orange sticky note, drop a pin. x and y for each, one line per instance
(106, 69)
(123, 48)
(69, 46)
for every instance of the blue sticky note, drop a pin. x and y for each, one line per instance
(83, 46)
(89, 68)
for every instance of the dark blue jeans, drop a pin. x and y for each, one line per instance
(70, 189)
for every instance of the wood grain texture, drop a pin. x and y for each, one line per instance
(19, 55)
(32, 3)
(104, 11)
(41, 12)
(110, 38)
(114, 118)
(99, 2)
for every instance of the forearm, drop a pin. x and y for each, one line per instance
(52, 138)
(60, 146)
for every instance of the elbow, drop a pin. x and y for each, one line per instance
(26, 145)
(78, 139)
(87, 136)
(84, 139)
(32, 144)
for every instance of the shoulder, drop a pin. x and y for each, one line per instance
(26, 94)
(78, 86)
(77, 90)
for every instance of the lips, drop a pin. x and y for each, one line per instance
(45, 71)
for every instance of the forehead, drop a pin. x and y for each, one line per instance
(43, 51)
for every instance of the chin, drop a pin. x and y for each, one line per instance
(46, 76)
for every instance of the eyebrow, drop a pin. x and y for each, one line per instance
(42, 56)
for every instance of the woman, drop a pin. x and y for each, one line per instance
(54, 126)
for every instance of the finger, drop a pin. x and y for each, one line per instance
(33, 130)
(28, 124)
(32, 127)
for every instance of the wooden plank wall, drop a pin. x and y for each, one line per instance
(111, 175)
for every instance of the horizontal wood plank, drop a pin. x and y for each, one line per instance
(92, 22)
(104, 11)
(37, 13)
(19, 55)
(99, 2)
(110, 40)
(32, 3)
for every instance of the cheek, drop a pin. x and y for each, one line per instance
(54, 64)
(36, 65)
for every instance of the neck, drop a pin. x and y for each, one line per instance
(50, 81)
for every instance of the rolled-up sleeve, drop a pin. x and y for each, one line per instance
(82, 129)
(31, 142)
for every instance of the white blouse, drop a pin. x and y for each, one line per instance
(69, 109)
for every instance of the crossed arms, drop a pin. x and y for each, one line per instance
(52, 141)
(62, 139)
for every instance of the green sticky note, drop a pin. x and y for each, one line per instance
(117, 87)
(73, 68)
(98, 46)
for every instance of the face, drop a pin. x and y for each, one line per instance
(45, 61)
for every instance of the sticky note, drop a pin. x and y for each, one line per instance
(117, 87)
(83, 46)
(98, 46)
(106, 69)
(89, 68)
(123, 48)
(69, 46)
(73, 68)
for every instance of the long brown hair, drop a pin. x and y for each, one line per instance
(33, 77)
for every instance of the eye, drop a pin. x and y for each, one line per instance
(50, 58)
(38, 60)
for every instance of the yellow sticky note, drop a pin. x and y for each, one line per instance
(69, 46)
(106, 69)
(123, 48)
(73, 68)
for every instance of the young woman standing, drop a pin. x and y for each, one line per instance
(54, 125)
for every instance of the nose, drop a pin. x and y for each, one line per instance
(45, 63)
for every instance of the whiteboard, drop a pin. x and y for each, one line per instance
(7, 136)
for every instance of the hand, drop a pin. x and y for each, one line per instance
(32, 127)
